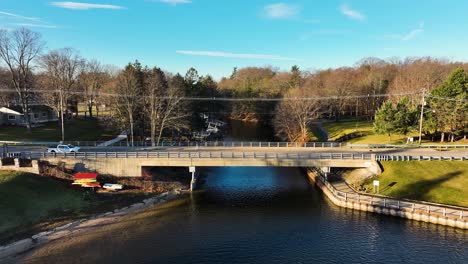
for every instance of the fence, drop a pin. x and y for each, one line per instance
(255, 144)
(392, 146)
(199, 155)
(416, 158)
(386, 202)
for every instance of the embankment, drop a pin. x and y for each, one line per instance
(94, 222)
(419, 211)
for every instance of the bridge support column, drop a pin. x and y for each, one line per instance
(193, 182)
(326, 171)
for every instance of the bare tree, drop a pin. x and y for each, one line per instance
(7, 92)
(294, 117)
(61, 70)
(92, 79)
(163, 105)
(18, 50)
(129, 88)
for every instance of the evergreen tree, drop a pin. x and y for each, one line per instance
(385, 119)
(450, 115)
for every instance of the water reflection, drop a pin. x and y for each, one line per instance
(258, 215)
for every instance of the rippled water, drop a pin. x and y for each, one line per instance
(259, 215)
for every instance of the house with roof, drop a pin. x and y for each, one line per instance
(13, 115)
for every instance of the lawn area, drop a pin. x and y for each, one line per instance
(82, 108)
(435, 181)
(337, 130)
(27, 199)
(78, 129)
(31, 204)
(360, 132)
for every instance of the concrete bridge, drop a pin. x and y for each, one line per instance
(131, 163)
(126, 163)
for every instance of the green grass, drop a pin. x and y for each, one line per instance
(83, 108)
(27, 199)
(360, 132)
(76, 130)
(30, 204)
(337, 130)
(443, 182)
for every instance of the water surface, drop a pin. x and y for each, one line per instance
(258, 215)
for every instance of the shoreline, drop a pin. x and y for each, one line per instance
(391, 210)
(14, 249)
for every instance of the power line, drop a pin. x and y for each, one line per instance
(447, 98)
(229, 99)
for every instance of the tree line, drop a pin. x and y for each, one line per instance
(150, 101)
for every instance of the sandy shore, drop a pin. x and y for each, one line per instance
(11, 251)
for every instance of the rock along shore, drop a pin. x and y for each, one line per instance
(12, 250)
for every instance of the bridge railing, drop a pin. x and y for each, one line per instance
(407, 146)
(200, 155)
(391, 203)
(416, 158)
(243, 144)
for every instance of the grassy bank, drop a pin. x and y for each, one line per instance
(79, 129)
(361, 132)
(30, 204)
(436, 181)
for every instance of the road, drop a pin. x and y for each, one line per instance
(396, 152)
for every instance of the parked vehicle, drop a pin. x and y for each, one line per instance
(61, 148)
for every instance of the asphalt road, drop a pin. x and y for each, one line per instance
(397, 152)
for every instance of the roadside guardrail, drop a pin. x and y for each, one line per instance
(392, 146)
(199, 155)
(246, 144)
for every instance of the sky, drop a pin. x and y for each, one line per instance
(214, 36)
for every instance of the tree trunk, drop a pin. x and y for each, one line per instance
(442, 137)
(131, 131)
(63, 126)
(153, 133)
(90, 109)
(160, 131)
(25, 106)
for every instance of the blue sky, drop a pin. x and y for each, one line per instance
(216, 35)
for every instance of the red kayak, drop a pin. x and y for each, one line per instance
(81, 176)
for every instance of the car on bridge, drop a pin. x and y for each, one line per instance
(62, 148)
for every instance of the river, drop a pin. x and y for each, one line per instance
(258, 215)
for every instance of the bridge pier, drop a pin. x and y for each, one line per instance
(193, 182)
(326, 171)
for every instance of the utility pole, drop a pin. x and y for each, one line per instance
(423, 102)
(61, 116)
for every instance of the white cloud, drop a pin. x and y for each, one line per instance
(413, 33)
(6, 28)
(84, 6)
(174, 2)
(235, 55)
(353, 14)
(34, 25)
(281, 11)
(322, 32)
(18, 16)
(408, 36)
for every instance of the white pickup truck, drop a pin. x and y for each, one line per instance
(63, 149)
